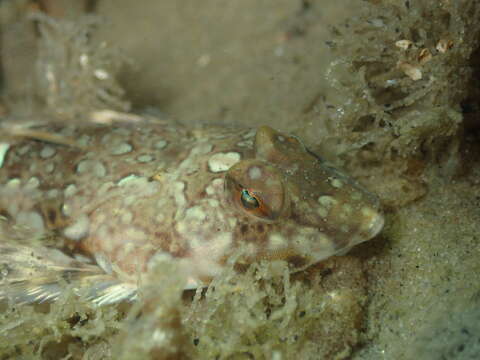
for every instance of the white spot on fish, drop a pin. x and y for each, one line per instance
(127, 179)
(160, 144)
(202, 149)
(82, 166)
(347, 209)
(47, 152)
(220, 244)
(126, 217)
(322, 247)
(32, 183)
(247, 143)
(49, 168)
(368, 212)
(336, 183)
(95, 167)
(195, 213)
(83, 140)
(356, 196)
(327, 200)
(255, 173)
(209, 251)
(66, 210)
(145, 158)
(223, 161)
(31, 220)
(213, 203)
(322, 212)
(215, 186)
(23, 150)
(105, 187)
(180, 199)
(79, 229)
(52, 194)
(121, 149)
(99, 169)
(33, 167)
(250, 133)
(70, 190)
(276, 242)
(122, 131)
(13, 183)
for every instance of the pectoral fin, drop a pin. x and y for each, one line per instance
(41, 274)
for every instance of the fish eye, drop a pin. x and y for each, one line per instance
(255, 188)
(249, 200)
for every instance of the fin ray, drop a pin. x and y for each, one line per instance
(39, 274)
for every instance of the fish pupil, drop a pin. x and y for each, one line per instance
(249, 201)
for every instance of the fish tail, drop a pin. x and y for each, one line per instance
(36, 274)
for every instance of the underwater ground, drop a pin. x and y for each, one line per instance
(388, 90)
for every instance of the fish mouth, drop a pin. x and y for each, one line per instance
(376, 224)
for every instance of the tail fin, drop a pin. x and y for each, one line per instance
(38, 274)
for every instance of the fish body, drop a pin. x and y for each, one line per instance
(125, 195)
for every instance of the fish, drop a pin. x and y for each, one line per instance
(104, 201)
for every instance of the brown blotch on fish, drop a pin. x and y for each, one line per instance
(261, 228)
(296, 261)
(53, 217)
(5, 215)
(243, 229)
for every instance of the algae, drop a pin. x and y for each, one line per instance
(62, 72)
(262, 312)
(387, 120)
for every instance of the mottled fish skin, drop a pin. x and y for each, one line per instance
(129, 193)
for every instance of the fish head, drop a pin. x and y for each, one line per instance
(294, 206)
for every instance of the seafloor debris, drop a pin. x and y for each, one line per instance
(74, 74)
(400, 85)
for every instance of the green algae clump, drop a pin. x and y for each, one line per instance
(265, 313)
(401, 74)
